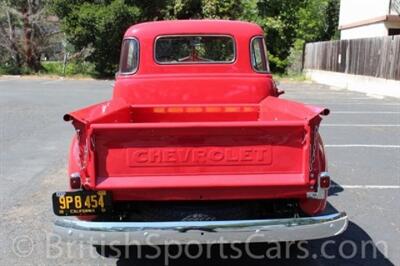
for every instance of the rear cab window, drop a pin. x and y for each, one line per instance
(194, 49)
(129, 60)
(259, 56)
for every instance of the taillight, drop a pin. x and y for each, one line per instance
(75, 181)
(325, 181)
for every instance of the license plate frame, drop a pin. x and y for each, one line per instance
(82, 202)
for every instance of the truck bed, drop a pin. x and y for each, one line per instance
(194, 152)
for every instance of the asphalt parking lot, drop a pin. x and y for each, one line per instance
(362, 138)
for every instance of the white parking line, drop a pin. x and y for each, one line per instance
(362, 146)
(365, 112)
(360, 125)
(365, 187)
(356, 103)
(311, 98)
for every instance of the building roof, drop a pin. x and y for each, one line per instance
(168, 27)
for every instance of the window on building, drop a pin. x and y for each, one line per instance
(394, 32)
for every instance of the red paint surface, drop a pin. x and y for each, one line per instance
(190, 132)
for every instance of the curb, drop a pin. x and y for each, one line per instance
(370, 85)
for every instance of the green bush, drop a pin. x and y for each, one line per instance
(12, 69)
(73, 68)
(295, 58)
(277, 65)
(100, 25)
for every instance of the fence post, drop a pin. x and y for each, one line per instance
(303, 57)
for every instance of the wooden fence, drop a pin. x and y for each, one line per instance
(376, 57)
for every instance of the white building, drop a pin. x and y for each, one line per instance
(369, 18)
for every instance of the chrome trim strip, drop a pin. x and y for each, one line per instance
(125, 233)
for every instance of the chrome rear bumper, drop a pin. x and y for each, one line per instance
(159, 233)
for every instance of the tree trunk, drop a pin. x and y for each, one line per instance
(13, 45)
(32, 61)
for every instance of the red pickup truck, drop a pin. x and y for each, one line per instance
(196, 144)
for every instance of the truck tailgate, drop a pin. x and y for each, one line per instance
(197, 149)
(199, 155)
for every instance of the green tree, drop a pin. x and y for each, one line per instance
(99, 25)
(331, 20)
(214, 9)
(222, 9)
(317, 21)
(279, 20)
(24, 33)
(288, 24)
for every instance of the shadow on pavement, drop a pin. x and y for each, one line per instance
(332, 251)
(335, 189)
(353, 247)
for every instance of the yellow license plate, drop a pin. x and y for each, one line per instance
(82, 202)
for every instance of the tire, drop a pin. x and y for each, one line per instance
(191, 212)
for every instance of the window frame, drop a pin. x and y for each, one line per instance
(393, 31)
(138, 57)
(199, 62)
(252, 40)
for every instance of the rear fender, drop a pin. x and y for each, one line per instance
(74, 160)
(74, 166)
(315, 206)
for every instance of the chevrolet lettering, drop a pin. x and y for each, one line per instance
(201, 155)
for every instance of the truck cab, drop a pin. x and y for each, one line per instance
(196, 144)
